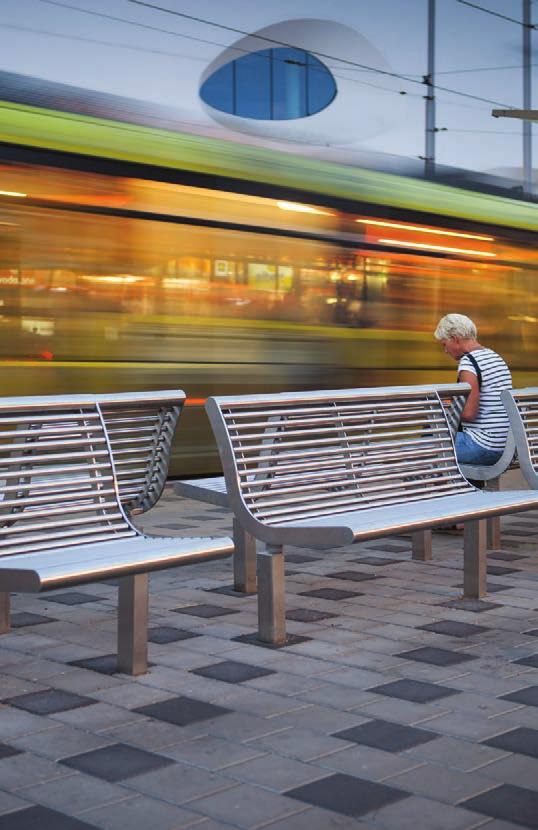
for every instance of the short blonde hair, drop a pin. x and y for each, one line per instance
(455, 325)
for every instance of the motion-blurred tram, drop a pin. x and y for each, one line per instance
(137, 258)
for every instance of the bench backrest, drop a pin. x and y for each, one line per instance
(58, 485)
(140, 427)
(300, 455)
(522, 408)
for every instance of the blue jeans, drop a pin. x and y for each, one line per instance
(469, 452)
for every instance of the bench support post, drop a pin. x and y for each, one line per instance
(244, 560)
(421, 545)
(271, 596)
(474, 559)
(133, 624)
(494, 524)
(5, 601)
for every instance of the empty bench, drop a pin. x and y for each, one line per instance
(63, 522)
(326, 469)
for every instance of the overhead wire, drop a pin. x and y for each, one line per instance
(318, 54)
(495, 14)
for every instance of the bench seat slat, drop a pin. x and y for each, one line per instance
(36, 572)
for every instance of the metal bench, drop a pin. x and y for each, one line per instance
(62, 520)
(522, 408)
(325, 469)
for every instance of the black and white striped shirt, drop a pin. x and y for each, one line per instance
(490, 427)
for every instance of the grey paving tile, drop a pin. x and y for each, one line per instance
(456, 753)
(211, 753)
(163, 634)
(230, 671)
(75, 794)
(418, 813)
(26, 769)
(521, 740)
(448, 786)
(369, 762)
(41, 818)
(140, 812)
(531, 661)
(9, 803)
(182, 710)
(7, 751)
(26, 618)
(507, 802)
(528, 696)
(72, 598)
(520, 770)
(476, 606)
(179, 783)
(416, 691)
(308, 615)
(275, 772)
(347, 795)
(60, 742)
(381, 734)
(246, 806)
(352, 576)
(315, 818)
(204, 610)
(533, 632)
(333, 594)
(376, 561)
(301, 744)
(436, 656)
(49, 702)
(116, 762)
(104, 663)
(453, 628)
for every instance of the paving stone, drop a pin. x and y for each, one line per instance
(515, 804)
(514, 768)
(381, 734)
(7, 751)
(26, 769)
(453, 628)
(352, 576)
(179, 783)
(301, 744)
(230, 671)
(276, 772)
(391, 547)
(531, 661)
(416, 691)
(456, 753)
(447, 786)
(229, 591)
(375, 560)
(505, 557)
(527, 696)
(308, 615)
(330, 593)
(24, 618)
(436, 656)
(347, 795)
(104, 664)
(477, 606)
(140, 813)
(246, 806)
(116, 762)
(204, 610)
(533, 632)
(41, 818)
(72, 598)
(412, 814)
(499, 570)
(49, 702)
(521, 740)
(212, 753)
(182, 710)
(300, 558)
(252, 639)
(60, 742)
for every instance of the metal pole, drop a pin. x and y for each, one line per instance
(527, 124)
(429, 80)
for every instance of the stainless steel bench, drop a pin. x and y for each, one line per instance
(522, 408)
(325, 469)
(62, 520)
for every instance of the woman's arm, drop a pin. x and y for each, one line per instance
(472, 405)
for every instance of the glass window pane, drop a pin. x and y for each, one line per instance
(320, 84)
(289, 83)
(217, 90)
(253, 83)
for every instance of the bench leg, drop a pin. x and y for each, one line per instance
(5, 624)
(494, 524)
(244, 560)
(133, 624)
(271, 596)
(474, 559)
(421, 545)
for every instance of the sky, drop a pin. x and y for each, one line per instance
(160, 57)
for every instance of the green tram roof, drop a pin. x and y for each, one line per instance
(114, 140)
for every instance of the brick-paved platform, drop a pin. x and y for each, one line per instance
(402, 708)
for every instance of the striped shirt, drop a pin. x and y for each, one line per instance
(490, 427)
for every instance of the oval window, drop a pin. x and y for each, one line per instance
(273, 85)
